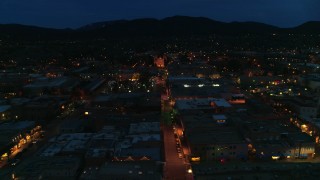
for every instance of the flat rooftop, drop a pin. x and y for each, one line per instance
(138, 170)
(19, 125)
(251, 171)
(219, 117)
(45, 166)
(184, 78)
(215, 138)
(178, 92)
(4, 108)
(201, 103)
(205, 122)
(9, 130)
(67, 143)
(144, 127)
(47, 83)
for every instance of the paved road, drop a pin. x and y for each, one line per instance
(175, 168)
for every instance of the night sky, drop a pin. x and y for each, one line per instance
(76, 13)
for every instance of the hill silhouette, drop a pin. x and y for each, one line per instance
(171, 26)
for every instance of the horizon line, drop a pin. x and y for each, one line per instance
(153, 18)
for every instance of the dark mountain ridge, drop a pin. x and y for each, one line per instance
(176, 26)
(171, 26)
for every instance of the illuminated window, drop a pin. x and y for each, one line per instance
(195, 159)
(221, 121)
(4, 156)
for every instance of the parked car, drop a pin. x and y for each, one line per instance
(179, 150)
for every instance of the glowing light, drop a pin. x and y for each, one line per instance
(275, 157)
(221, 121)
(195, 159)
(190, 171)
(186, 85)
(215, 85)
(4, 155)
(86, 113)
(201, 85)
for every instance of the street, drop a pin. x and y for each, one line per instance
(175, 168)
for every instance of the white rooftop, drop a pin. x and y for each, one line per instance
(201, 103)
(67, 142)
